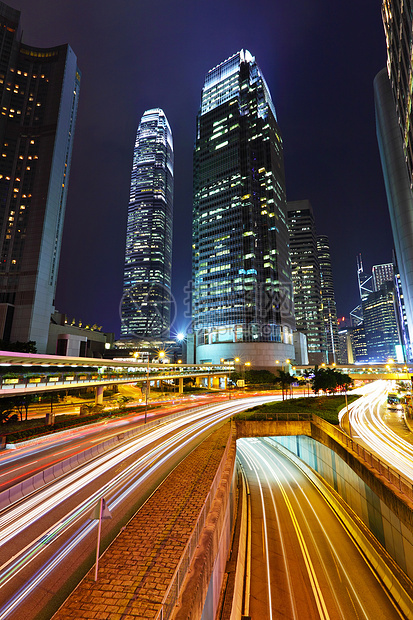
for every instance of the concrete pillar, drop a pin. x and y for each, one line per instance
(99, 395)
(181, 385)
(215, 382)
(198, 381)
(225, 383)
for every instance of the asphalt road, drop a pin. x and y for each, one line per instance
(47, 540)
(303, 563)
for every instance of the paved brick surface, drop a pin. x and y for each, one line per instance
(135, 571)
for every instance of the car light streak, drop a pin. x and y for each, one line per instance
(288, 474)
(255, 468)
(318, 596)
(18, 516)
(367, 423)
(341, 588)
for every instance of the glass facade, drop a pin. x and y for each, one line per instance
(146, 302)
(397, 20)
(393, 93)
(39, 91)
(328, 299)
(306, 278)
(242, 289)
(380, 324)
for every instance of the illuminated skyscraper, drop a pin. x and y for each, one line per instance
(382, 273)
(328, 299)
(242, 295)
(380, 324)
(39, 91)
(146, 300)
(393, 90)
(306, 278)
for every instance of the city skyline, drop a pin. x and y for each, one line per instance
(325, 112)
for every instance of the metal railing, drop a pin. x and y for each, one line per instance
(75, 379)
(171, 596)
(273, 417)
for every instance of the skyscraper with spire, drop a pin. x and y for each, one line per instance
(146, 302)
(242, 291)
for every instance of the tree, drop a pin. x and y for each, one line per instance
(19, 347)
(22, 404)
(7, 405)
(254, 377)
(285, 379)
(330, 380)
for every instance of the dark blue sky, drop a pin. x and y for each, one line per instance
(319, 59)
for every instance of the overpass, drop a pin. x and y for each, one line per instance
(23, 373)
(366, 372)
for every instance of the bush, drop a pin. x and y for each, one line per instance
(326, 407)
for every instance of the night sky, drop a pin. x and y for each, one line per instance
(319, 59)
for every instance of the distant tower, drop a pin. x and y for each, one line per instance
(306, 278)
(393, 92)
(380, 324)
(328, 299)
(242, 295)
(39, 91)
(382, 273)
(146, 300)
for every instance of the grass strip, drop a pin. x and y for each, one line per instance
(326, 407)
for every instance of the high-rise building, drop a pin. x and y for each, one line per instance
(39, 91)
(358, 340)
(378, 319)
(381, 274)
(242, 292)
(146, 303)
(380, 325)
(393, 91)
(306, 278)
(345, 343)
(328, 299)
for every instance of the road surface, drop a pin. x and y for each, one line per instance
(303, 563)
(47, 539)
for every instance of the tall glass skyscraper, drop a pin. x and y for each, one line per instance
(39, 91)
(306, 278)
(328, 299)
(393, 92)
(242, 291)
(146, 299)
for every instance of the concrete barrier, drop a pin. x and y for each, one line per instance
(242, 560)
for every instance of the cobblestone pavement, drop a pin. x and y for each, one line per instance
(136, 569)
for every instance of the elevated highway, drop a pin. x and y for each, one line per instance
(31, 373)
